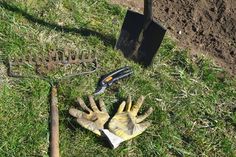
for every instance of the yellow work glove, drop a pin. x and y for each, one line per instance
(92, 119)
(126, 124)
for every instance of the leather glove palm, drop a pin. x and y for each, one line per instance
(94, 119)
(126, 124)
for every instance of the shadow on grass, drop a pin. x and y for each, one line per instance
(108, 40)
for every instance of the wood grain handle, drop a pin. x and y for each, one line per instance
(54, 125)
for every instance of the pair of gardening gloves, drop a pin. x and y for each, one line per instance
(124, 125)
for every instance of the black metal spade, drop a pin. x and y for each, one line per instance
(140, 36)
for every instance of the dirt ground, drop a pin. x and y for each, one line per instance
(203, 26)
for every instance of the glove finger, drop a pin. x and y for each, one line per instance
(82, 104)
(129, 103)
(87, 124)
(93, 104)
(75, 113)
(143, 126)
(102, 105)
(121, 107)
(145, 115)
(136, 107)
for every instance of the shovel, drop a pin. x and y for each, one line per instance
(140, 36)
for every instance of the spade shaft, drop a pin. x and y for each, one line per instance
(147, 21)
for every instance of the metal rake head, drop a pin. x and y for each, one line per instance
(57, 64)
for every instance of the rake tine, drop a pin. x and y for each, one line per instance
(57, 57)
(44, 61)
(30, 59)
(89, 56)
(50, 62)
(83, 57)
(50, 57)
(38, 60)
(64, 58)
(77, 60)
(70, 57)
(16, 61)
(21, 60)
(83, 60)
(92, 57)
(26, 59)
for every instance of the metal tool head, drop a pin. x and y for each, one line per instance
(55, 65)
(130, 31)
(100, 90)
(110, 78)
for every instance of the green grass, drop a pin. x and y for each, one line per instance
(194, 100)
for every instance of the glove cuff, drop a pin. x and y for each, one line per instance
(112, 138)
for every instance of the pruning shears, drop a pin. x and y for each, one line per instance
(108, 79)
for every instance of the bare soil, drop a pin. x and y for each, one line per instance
(203, 26)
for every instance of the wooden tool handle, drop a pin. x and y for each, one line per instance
(54, 125)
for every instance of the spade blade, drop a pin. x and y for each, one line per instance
(130, 31)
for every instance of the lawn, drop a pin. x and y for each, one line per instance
(194, 101)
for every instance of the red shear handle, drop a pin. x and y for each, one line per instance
(54, 127)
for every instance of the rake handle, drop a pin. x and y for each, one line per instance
(54, 125)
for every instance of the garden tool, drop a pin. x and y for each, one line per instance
(57, 66)
(126, 124)
(92, 119)
(108, 79)
(140, 36)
